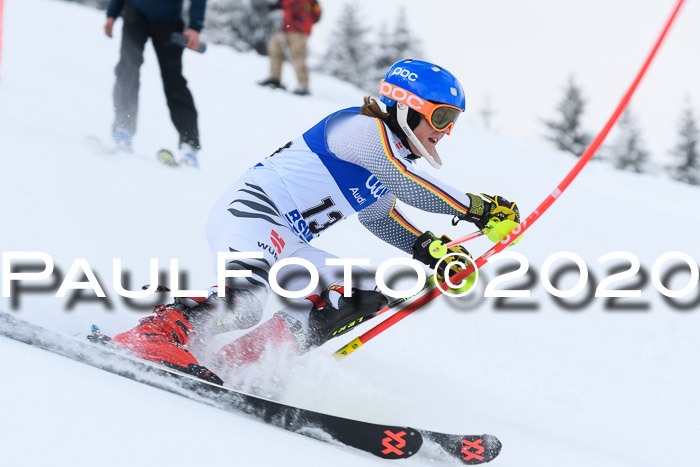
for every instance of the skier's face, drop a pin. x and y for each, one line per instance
(428, 137)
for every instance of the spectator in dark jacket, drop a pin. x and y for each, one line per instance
(156, 19)
(297, 22)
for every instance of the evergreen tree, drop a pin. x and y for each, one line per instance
(349, 55)
(220, 20)
(405, 42)
(686, 151)
(566, 132)
(242, 24)
(392, 47)
(487, 112)
(385, 56)
(628, 152)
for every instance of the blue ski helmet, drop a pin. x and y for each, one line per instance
(427, 81)
(412, 88)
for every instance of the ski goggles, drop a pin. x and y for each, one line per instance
(441, 117)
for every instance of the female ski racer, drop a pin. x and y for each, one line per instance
(359, 159)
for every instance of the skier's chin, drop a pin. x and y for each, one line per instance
(432, 150)
(431, 146)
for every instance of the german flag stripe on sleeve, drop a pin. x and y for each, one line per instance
(412, 176)
(396, 215)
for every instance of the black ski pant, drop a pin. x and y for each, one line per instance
(137, 30)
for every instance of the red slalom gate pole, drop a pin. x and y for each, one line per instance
(466, 238)
(541, 209)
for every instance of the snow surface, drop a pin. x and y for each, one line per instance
(558, 387)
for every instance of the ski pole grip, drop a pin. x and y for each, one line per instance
(180, 39)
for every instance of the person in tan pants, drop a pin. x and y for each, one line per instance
(298, 20)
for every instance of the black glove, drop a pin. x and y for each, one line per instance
(482, 211)
(428, 249)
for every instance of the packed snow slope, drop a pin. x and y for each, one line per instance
(576, 382)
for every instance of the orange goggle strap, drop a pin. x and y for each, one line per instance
(421, 106)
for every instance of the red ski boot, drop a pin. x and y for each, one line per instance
(277, 333)
(331, 315)
(162, 338)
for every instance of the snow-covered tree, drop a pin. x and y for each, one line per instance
(487, 112)
(385, 55)
(242, 24)
(393, 46)
(566, 131)
(628, 151)
(405, 42)
(349, 54)
(687, 152)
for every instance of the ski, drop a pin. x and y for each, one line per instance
(98, 146)
(166, 157)
(385, 441)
